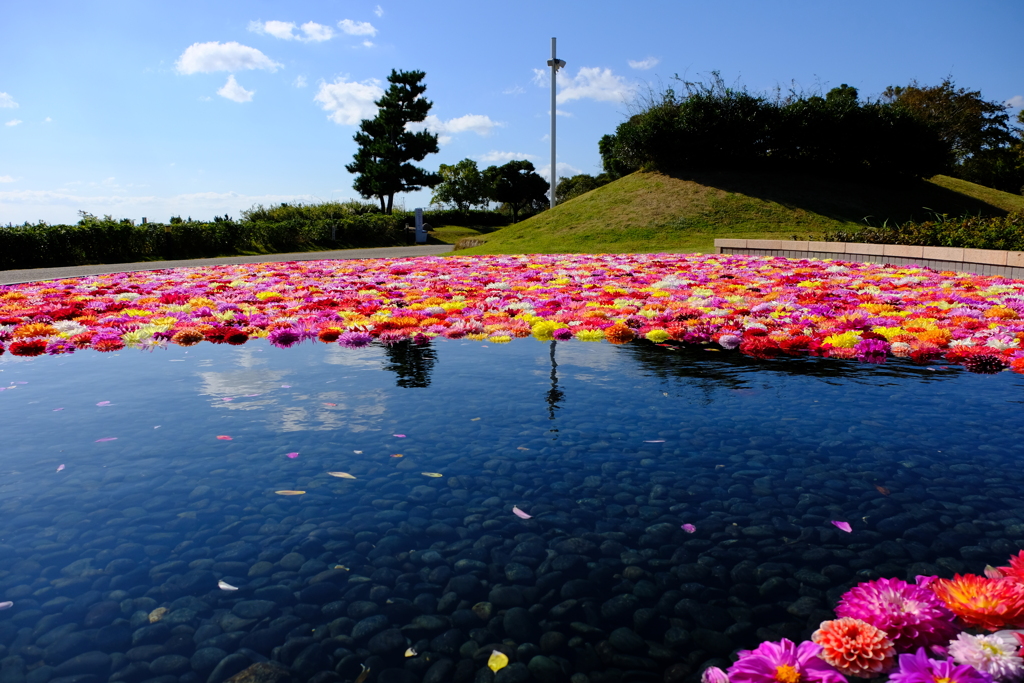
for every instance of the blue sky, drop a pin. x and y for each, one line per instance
(196, 108)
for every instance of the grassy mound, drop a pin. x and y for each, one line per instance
(653, 212)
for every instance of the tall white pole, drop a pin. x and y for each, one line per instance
(554, 69)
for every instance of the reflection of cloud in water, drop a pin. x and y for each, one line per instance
(236, 383)
(353, 412)
(248, 358)
(368, 357)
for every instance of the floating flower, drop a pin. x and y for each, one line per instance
(918, 668)
(996, 655)
(985, 363)
(783, 662)
(911, 616)
(354, 340)
(32, 347)
(854, 647)
(284, 337)
(991, 604)
(713, 674)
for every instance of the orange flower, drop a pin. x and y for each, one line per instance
(987, 603)
(188, 337)
(34, 330)
(618, 334)
(329, 334)
(1016, 569)
(855, 647)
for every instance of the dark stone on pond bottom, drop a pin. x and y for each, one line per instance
(277, 593)
(464, 586)
(115, 637)
(449, 642)
(170, 665)
(95, 662)
(254, 609)
(387, 642)
(153, 633)
(620, 608)
(397, 676)
(578, 588)
(625, 640)
(319, 593)
(546, 670)
(101, 614)
(513, 673)
(325, 677)
(440, 672)
(506, 596)
(66, 648)
(133, 673)
(520, 625)
(263, 672)
(228, 667)
(369, 626)
(311, 660)
(714, 642)
(205, 659)
(360, 609)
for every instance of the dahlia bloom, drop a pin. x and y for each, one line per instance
(918, 668)
(912, 616)
(995, 654)
(355, 340)
(284, 337)
(783, 662)
(1016, 569)
(990, 604)
(713, 674)
(854, 647)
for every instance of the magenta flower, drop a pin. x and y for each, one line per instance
(562, 334)
(355, 340)
(918, 668)
(872, 350)
(284, 337)
(912, 616)
(784, 662)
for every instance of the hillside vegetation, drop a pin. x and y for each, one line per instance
(655, 212)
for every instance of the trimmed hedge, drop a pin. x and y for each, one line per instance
(970, 232)
(109, 241)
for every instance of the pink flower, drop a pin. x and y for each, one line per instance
(783, 662)
(917, 668)
(912, 616)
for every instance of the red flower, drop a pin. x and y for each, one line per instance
(32, 347)
(991, 604)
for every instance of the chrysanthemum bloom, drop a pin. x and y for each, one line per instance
(855, 647)
(187, 337)
(995, 655)
(562, 334)
(107, 343)
(329, 335)
(1016, 569)
(985, 363)
(729, 341)
(58, 346)
(284, 337)
(783, 662)
(991, 604)
(355, 340)
(618, 334)
(918, 668)
(872, 351)
(32, 347)
(657, 336)
(236, 337)
(911, 616)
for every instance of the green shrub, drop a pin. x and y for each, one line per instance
(970, 232)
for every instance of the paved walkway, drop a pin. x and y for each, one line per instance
(10, 277)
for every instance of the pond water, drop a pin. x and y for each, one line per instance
(133, 483)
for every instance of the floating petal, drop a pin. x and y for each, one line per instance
(341, 475)
(397, 455)
(497, 661)
(6, 605)
(57, 409)
(224, 438)
(431, 474)
(107, 438)
(655, 441)
(881, 489)
(103, 403)
(688, 528)
(411, 652)
(293, 455)
(289, 493)
(364, 675)
(844, 526)
(330, 404)
(225, 586)
(358, 452)
(60, 468)
(398, 436)
(520, 514)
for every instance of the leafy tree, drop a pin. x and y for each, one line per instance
(574, 186)
(516, 184)
(968, 124)
(461, 185)
(386, 146)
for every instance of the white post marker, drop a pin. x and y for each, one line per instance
(555, 65)
(421, 234)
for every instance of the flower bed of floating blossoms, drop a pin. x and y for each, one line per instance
(762, 306)
(959, 630)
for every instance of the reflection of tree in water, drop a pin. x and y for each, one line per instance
(712, 370)
(554, 394)
(412, 363)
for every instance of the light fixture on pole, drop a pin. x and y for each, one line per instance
(555, 65)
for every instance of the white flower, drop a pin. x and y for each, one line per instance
(994, 654)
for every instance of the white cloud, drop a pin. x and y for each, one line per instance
(13, 122)
(367, 43)
(504, 157)
(47, 119)
(234, 92)
(57, 206)
(316, 33)
(563, 170)
(300, 82)
(644, 64)
(7, 102)
(476, 123)
(278, 29)
(209, 57)
(541, 77)
(7, 179)
(1017, 102)
(379, 11)
(357, 28)
(594, 83)
(349, 102)
(514, 90)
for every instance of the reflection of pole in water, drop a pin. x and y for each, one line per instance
(554, 394)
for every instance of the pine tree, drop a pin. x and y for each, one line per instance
(386, 146)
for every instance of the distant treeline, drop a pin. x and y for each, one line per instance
(260, 230)
(969, 232)
(910, 132)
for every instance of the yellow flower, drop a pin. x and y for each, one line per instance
(544, 329)
(657, 336)
(846, 340)
(590, 335)
(500, 339)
